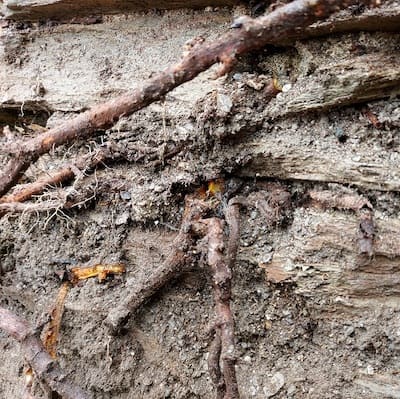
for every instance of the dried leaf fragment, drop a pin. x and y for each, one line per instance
(101, 271)
(215, 187)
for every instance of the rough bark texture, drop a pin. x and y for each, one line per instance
(349, 275)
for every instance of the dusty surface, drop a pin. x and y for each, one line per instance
(310, 336)
(62, 9)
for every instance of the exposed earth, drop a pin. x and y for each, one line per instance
(328, 327)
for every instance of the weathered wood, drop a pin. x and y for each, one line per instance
(352, 81)
(373, 20)
(251, 34)
(98, 64)
(62, 9)
(321, 255)
(98, 61)
(382, 385)
(295, 161)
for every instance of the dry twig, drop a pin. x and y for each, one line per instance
(81, 167)
(251, 34)
(232, 218)
(44, 366)
(17, 207)
(82, 164)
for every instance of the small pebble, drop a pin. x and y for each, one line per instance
(125, 195)
(286, 87)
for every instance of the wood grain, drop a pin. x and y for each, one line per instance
(37, 9)
(320, 254)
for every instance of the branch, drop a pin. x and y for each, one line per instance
(214, 367)
(17, 207)
(251, 34)
(44, 366)
(232, 217)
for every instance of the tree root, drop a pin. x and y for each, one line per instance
(222, 360)
(45, 367)
(179, 260)
(83, 165)
(222, 367)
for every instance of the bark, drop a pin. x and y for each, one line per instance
(375, 20)
(323, 257)
(296, 162)
(357, 80)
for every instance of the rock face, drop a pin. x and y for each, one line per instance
(315, 287)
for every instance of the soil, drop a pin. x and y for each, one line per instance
(292, 342)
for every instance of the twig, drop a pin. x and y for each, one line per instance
(232, 218)
(222, 277)
(174, 265)
(251, 34)
(45, 368)
(81, 166)
(17, 207)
